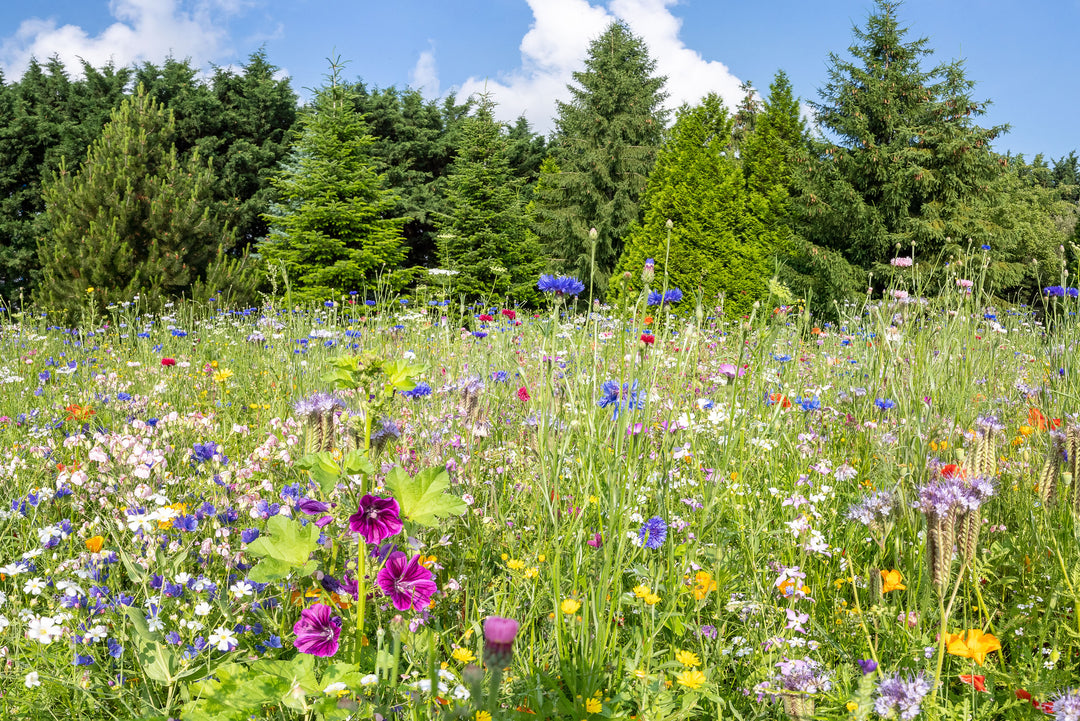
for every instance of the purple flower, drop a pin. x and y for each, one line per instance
(903, 695)
(874, 509)
(317, 631)
(801, 674)
(376, 518)
(406, 582)
(203, 452)
(731, 371)
(312, 507)
(1067, 705)
(867, 665)
(563, 285)
(672, 296)
(653, 533)
(499, 635)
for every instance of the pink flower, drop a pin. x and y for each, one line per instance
(523, 394)
(168, 362)
(376, 519)
(730, 371)
(317, 631)
(406, 582)
(499, 635)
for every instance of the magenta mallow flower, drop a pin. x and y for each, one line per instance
(376, 519)
(499, 635)
(731, 371)
(317, 631)
(406, 582)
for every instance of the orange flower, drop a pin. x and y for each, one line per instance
(781, 399)
(95, 544)
(891, 581)
(648, 320)
(703, 584)
(79, 413)
(977, 682)
(1038, 420)
(975, 646)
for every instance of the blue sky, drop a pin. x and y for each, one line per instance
(1019, 53)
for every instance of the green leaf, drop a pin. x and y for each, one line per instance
(157, 660)
(357, 463)
(402, 374)
(422, 498)
(286, 543)
(322, 468)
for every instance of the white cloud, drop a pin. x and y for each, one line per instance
(145, 30)
(558, 41)
(425, 75)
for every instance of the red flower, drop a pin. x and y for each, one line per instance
(951, 471)
(648, 338)
(509, 313)
(523, 393)
(979, 682)
(168, 362)
(486, 318)
(781, 399)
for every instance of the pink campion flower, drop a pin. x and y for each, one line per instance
(376, 519)
(731, 371)
(596, 541)
(406, 582)
(317, 631)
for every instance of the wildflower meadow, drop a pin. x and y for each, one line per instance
(393, 507)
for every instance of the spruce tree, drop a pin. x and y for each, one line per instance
(331, 230)
(485, 235)
(716, 245)
(605, 145)
(908, 169)
(133, 220)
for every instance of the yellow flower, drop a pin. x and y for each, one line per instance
(505, 557)
(541, 558)
(975, 646)
(640, 674)
(532, 572)
(852, 706)
(482, 716)
(569, 606)
(703, 584)
(687, 658)
(95, 544)
(515, 565)
(691, 678)
(641, 590)
(89, 290)
(891, 581)
(463, 655)
(593, 705)
(652, 599)
(223, 375)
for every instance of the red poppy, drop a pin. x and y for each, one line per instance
(979, 682)
(79, 413)
(648, 338)
(952, 471)
(168, 362)
(1038, 420)
(781, 399)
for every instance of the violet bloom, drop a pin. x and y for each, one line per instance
(376, 518)
(901, 696)
(312, 507)
(731, 371)
(499, 635)
(317, 631)
(406, 582)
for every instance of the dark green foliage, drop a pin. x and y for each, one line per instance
(908, 168)
(485, 235)
(133, 220)
(331, 230)
(43, 118)
(605, 145)
(717, 245)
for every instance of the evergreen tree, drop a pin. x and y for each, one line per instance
(716, 245)
(485, 236)
(133, 220)
(331, 230)
(605, 144)
(909, 168)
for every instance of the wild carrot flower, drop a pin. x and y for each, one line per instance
(317, 631)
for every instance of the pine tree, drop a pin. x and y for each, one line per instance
(133, 220)
(485, 236)
(716, 245)
(606, 142)
(331, 230)
(909, 168)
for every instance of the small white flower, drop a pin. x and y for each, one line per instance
(202, 609)
(34, 586)
(241, 589)
(336, 689)
(369, 680)
(43, 630)
(95, 634)
(223, 639)
(31, 680)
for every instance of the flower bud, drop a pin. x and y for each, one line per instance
(499, 635)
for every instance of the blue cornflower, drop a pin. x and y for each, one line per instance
(203, 452)
(249, 534)
(611, 393)
(781, 358)
(563, 285)
(884, 404)
(419, 391)
(808, 404)
(123, 396)
(672, 296)
(985, 246)
(1072, 292)
(328, 303)
(500, 376)
(653, 532)
(479, 334)
(1054, 291)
